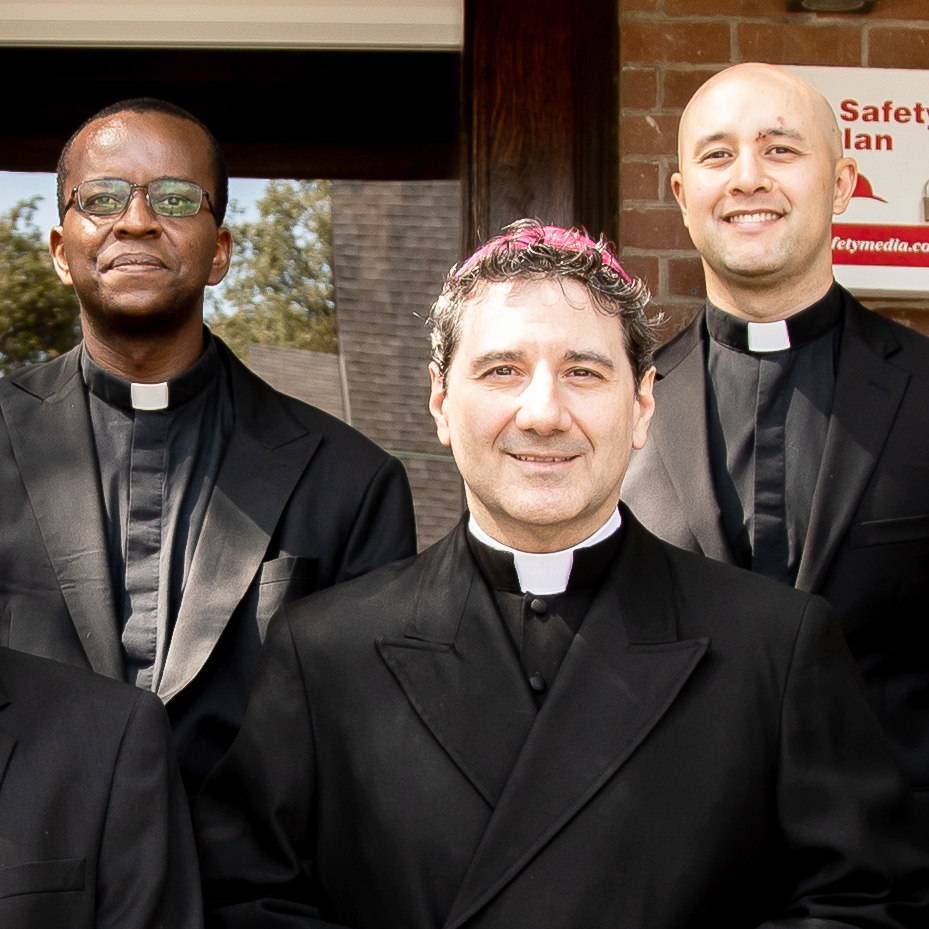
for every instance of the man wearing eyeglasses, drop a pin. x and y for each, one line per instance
(159, 500)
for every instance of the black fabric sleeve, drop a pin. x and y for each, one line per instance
(384, 528)
(254, 816)
(147, 868)
(860, 850)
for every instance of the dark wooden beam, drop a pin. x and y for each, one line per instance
(355, 115)
(540, 113)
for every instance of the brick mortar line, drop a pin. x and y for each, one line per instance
(664, 276)
(785, 19)
(649, 206)
(659, 87)
(896, 24)
(660, 206)
(646, 16)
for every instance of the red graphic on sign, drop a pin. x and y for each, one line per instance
(864, 244)
(863, 188)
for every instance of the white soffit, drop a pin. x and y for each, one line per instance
(344, 24)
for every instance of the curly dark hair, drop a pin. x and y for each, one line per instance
(219, 197)
(527, 249)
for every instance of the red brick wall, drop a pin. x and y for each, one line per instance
(668, 49)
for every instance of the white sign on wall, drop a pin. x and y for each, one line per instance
(880, 244)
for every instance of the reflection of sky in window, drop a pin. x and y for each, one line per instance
(16, 186)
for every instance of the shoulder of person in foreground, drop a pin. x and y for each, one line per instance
(358, 492)
(90, 802)
(841, 844)
(857, 845)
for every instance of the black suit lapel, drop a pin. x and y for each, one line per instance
(268, 452)
(869, 389)
(460, 672)
(624, 669)
(680, 433)
(52, 439)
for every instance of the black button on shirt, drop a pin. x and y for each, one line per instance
(542, 628)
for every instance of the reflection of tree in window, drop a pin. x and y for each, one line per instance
(279, 289)
(39, 316)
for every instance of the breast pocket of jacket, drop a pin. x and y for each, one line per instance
(42, 877)
(889, 531)
(281, 581)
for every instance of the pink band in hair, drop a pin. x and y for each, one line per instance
(567, 239)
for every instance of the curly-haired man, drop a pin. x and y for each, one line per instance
(551, 718)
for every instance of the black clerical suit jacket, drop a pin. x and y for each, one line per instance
(867, 548)
(94, 827)
(705, 758)
(301, 501)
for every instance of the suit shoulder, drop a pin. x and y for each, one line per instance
(388, 587)
(672, 353)
(888, 336)
(912, 343)
(380, 602)
(56, 689)
(339, 433)
(42, 378)
(74, 730)
(715, 573)
(738, 601)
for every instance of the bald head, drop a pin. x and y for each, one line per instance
(756, 78)
(761, 175)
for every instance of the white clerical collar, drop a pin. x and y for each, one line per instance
(794, 331)
(545, 573)
(149, 396)
(768, 337)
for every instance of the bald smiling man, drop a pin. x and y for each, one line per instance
(791, 429)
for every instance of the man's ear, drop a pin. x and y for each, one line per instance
(437, 404)
(644, 408)
(222, 256)
(677, 188)
(846, 174)
(56, 247)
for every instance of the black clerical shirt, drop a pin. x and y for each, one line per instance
(542, 627)
(768, 414)
(157, 471)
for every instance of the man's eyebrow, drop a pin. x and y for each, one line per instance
(711, 139)
(589, 358)
(489, 358)
(512, 356)
(778, 132)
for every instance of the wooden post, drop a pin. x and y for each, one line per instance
(540, 114)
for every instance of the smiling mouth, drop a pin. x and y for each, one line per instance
(544, 459)
(761, 216)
